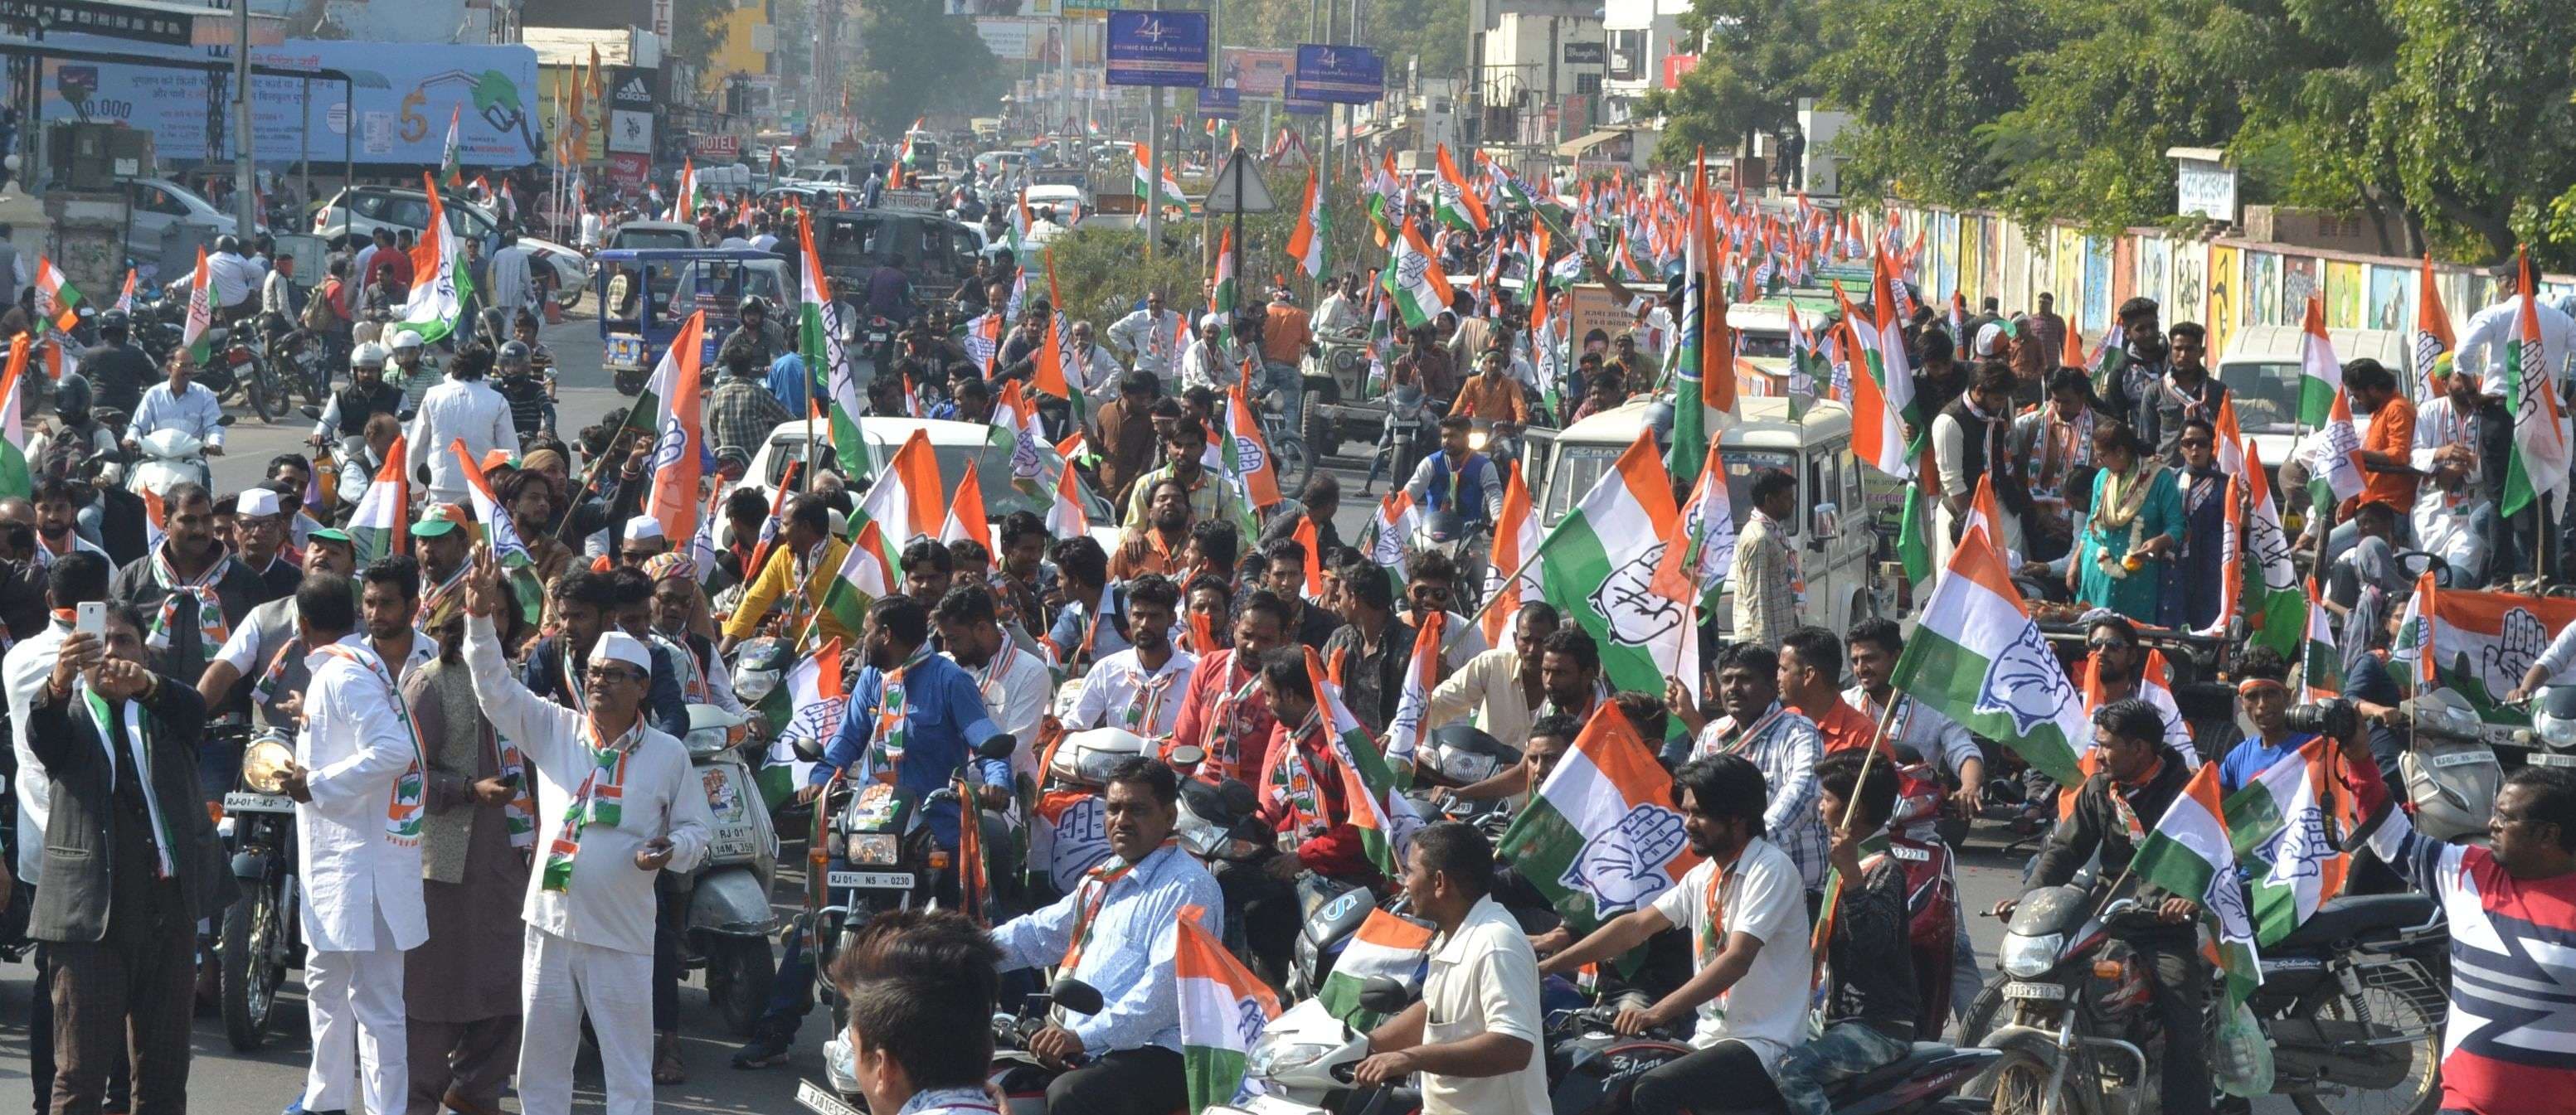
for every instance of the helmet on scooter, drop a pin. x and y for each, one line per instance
(758, 666)
(405, 340)
(114, 319)
(368, 355)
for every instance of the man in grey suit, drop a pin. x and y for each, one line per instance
(131, 862)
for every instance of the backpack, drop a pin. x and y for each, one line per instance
(320, 315)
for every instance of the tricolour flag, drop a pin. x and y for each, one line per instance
(1704, 367)
(1064, 517)
(201, 308)
(56, 300)
(2320, 663)
(15, 479)
(436, 304)
(2320, 375)
(1516, 538)
(1979, 659)
(1414, 278)
(2282, 827)
(1601, 837)
(2540, 451)
(1314, 227)
(807, 705)
(125, 297)
(1223, 1008)
(684, 190)
(2276, 606)
(1388, 946)
(451, 154)
(1599, 562)
(1378, 808)
(1227, 292)
(2478, 644)
(1247, 453)
(679, 437)
(821, 348)
(2189, 854)
(1421, 673)
(867, 573)
(2432, 332)
(378, 526)
(907, 501)
(1883, 399)
(1454, 203)
(1707, 519)
(1147, 182)
(1396, 522)
(965, 518)
(502, 534)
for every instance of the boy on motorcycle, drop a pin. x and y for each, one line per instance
(1870, 1005)
(2141, 775)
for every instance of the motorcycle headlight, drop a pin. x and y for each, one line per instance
(875, 849)
(1272, 1058)
(2029, 957)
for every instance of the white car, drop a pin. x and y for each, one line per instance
(361, 210)
(952, 444)
(158, 204)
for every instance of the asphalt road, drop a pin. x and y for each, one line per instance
(227, 1083)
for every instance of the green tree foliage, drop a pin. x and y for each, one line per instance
(914, 60)
(2452, 119)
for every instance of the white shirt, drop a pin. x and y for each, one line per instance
(764, 243)
(1335, 314)
(1920, 726)
(352, 872)
(1484, 979)
(467, 409)
(510, 279)
(1016, 689)
(22, 671)
(2482, 346)
(245, 650)
(590, 228)
(358, 274)
(1095, 374)
(1761, 896)
(233, 278)
(1149, 339)
(1121, 683)
(1209, 366)
(609, 903)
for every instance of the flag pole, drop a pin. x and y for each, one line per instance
(1842, 827)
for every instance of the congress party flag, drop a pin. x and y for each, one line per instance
(1064, 517)
(1454, 203)
(2432, 332)
(2189, 853)
(1413, 276)
(1247, 453)
(965, 519)
(1599, 562)
(808, 706)
(1978, 658)
(1223, 1009)
(866, 573)
(1516, 537)
(2538, 467)
(1421, 673)
(679, 438)
(2282, 826)
(435, 306)
(379, 524)
(1602, 836)
(502, 534)
(907, 501)
(57, 302)
(1387, 946)
(1314, 227)
(15, 479)
(1385, 818)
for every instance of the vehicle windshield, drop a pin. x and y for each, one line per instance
(1579, 467)
(2266, 393)
(991, 461)
(1760, 343)
(682, 287)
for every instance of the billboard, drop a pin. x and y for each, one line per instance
(1220, 104)
(405, 93)
(1030, 9)
(1350, 75)
(1158, 48)
(1018, 40)
(1256, 72)
(1298, 105)
(630, 110)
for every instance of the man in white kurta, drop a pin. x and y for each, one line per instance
(590, 900)
(360, 872)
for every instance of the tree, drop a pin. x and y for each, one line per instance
(914, 60)
(1919, 76)
(1759, 57)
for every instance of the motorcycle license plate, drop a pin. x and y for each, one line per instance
(2021, 990)
(820, 1100)
(869, 880)
(239, 802)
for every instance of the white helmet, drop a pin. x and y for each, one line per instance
(368, 355)
(405, 339)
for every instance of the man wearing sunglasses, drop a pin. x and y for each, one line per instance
(620, 804)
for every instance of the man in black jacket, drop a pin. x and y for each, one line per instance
(131, 862)
(2139, 777)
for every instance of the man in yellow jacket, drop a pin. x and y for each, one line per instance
(799, 569)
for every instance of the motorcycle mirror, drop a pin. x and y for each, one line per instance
(1082, 998)
(1000, 747)
(311, 411)
(1384, 995)
(226, 420)
(1239, 798)
(1186, 755)
(808, 748)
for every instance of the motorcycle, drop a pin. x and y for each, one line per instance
(262, 934)
(1448, 532)
(1412, 430)
(2351, 1004)
(1456, 757)
(1016, 1074)
(728, 921)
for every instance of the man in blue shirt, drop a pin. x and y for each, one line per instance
(2266, 692)
(915, 718)
(790, 382)
(1119, 931)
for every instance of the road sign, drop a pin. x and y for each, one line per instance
(1239, 188)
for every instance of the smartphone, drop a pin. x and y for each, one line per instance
(92, 619)
(511, 780)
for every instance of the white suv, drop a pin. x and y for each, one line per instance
(361, 210)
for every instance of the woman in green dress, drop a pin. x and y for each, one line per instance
(2137, 510)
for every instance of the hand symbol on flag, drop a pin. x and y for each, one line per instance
(2518, 644)
(1624, 867)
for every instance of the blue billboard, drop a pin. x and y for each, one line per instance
(1158, 48)
(1221, 103)
(1350, 75)
(1295, 102)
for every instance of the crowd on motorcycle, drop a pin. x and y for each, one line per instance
(1229, 809)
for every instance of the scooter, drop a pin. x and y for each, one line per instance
(729, 922)
(169, 458)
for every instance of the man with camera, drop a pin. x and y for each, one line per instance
(2264, 689)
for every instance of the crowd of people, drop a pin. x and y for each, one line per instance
(486, 715)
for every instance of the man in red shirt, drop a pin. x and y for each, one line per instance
(1811, 680)
(1226, 713)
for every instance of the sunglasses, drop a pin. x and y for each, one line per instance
(606, 675)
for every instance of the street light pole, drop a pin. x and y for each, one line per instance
(245, 184)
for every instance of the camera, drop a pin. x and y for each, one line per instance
(2334, 719)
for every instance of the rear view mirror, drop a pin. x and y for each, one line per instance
(1384, 995)
(808, 748)
(1082, 998)
(999, 747)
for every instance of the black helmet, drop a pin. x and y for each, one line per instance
(754, 302)
(113, 319)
